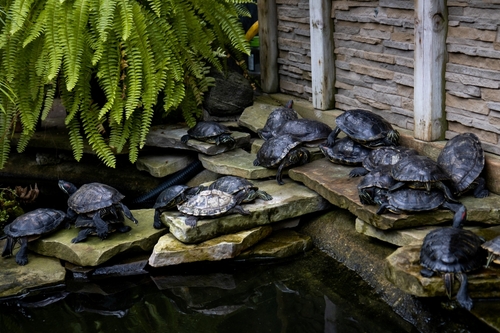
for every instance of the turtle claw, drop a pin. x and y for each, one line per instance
(191, 221)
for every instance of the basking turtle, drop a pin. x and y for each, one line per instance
(281, 152)
(389, 155)
(234, 184)
(308, 131)
(420, 172)
(277, 118)
(94, 200)
(212, 203)
(463, 159)
(28, 227)
(493, 248)
(170, 198)
(113, 218)
(452, 252)
(365, 127)
(209, 131)
(345, 151)
(372, 189)
(415, 200)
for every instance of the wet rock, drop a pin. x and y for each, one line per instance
(161, 165)
(403, 270)
(169, 136)
(332, 182)
(289, 200)
(133, 265)
(94, 251)
(280, 244)
(40, 271)
(170, 251)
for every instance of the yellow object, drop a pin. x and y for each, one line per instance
(252, 31)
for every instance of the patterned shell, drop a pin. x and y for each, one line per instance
(386, 156)
(208, 203)
(276, 119)
(418, 168)
(415, 200)
(345, 151)
(168, 197)
(364, 126)
(207, 129)
(274, 150)
(306, 130)
(231, 184)
(452, 250)
(93, 196)
(379, 177)
(36, 222)
(492, 245)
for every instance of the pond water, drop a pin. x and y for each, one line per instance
(307, 293)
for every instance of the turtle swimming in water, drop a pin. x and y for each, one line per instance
(211, 132)
(28, 227)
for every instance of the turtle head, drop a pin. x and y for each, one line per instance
(393, 138)
(225, 138)
(67, 187)
(298, 157)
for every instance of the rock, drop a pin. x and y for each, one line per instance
(169, 251)
(161, 165)
(280, 244)
(209, 280)
(132, 265)
(403, 270)
(289, 200)
(40, 271)
(230, 95)
(332, 182)
(169, 136)
(94, 251)
(254, 117)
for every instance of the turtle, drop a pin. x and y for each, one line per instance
(92, 200)
(169, 198)
(113, 218)
(389, 155)
(345, 151)
(276, 119)
(463, 159)
(417, 200)
(29, 227)
(281, 152)
(309, 131)
(421, 172)
(493, 248)
(452, 252)
(373, 187)
(234, 184)
(212, 203)
(211, 132)
(365, 127)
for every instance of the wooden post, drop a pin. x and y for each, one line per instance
(322, 55)
(431, 22)
(268, 37)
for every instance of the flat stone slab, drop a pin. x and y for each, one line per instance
(289, 200)
(403, 270)
(169, 251)
(162, 165)
(40, 271)
(255, 116)
(332, 182)
(280, 244)
(169, 136)
(95, 251)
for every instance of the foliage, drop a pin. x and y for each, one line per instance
(132, 51)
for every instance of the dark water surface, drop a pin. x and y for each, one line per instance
(308, 293)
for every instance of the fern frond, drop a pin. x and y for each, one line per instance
(75, 138)
(92, 127)
(19, 13)
(48, 101)
(125, 12)
(38, 28)
(52, 38)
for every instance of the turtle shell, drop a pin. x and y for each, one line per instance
(208, 203)
(277, 118)
(36, 222)
(414, 200)
(273, 151)
(492, 246)
(345, 151)
(207, 131)
(452, 250)
(231, 184)
(93, 196)
(389, 155)
(367, 128)
(463, 159)
(418, 168)
(305, 130)
(374, 185)
(170, 197)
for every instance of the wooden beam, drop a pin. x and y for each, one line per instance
(322, 54)
(431, 22)
(268, 37)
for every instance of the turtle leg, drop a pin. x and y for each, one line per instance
(463, 297)
(128, 213)
(448, 279)
(426, 272)
(279, 173)
(330, 141)
(123, 228)
(382, 209)
(191, 221)
(9, 246)
(82, 235)
(239, 209)
(480, 191)
(446, 190)
(22, 254)
(102, 227)
(157, 220)
(357, 172)
(460, 213)
(491, 257)
(185, 138)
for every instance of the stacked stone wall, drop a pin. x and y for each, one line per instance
(473, 71)
(294, 48)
